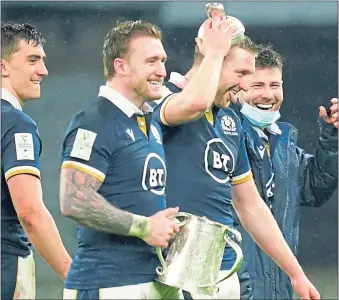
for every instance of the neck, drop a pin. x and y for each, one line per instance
(121, 87)
(11, 90)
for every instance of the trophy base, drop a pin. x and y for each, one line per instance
(191, 288)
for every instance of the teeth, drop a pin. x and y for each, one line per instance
(36, 82)
(156, 83)
(265, 106)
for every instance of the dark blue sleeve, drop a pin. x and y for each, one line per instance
(88, 147)
(21, 148)
(242, 171)
(158, 113)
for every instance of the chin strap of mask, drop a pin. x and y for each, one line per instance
(259, 117)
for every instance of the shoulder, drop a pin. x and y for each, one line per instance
(14, 120)
(98, 115)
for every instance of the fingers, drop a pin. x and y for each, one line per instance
(334, 100)
(314, 294)
(216, 21)
(207, 24)
(170, 211)
(323, 114)
(227, 26)
(175, 227)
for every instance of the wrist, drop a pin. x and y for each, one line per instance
(215, 53)
(141, 227)
(296, 273)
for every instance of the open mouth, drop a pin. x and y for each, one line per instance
(155, 83)
(36, 82)
(267, 107)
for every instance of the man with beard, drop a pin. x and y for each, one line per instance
(286, 176)
(113, 175)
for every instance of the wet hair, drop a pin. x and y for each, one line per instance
(268, 58)
(244, 43)
(118, 39)
(13, 33)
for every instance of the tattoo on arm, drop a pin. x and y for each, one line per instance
(81, 202)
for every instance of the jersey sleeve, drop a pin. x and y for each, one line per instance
(88, 148)
(242, 172)
(21, 148)
(158, 113)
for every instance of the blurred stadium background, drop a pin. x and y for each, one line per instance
(305, 32)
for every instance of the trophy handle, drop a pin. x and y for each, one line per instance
(181, 215)
(161, 270)
(238, 252)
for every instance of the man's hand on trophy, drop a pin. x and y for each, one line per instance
(162, 228)
(215, 35)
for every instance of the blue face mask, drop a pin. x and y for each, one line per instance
(259, 117)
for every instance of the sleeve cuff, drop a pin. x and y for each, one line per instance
(242, 178)
(84, 168)
(22, 170)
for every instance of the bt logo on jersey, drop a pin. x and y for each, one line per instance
(154, 174)
(219, 160)
(156, 177)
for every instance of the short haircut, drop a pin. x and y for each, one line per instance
(118, 40)
(12, 34)
(244, 43)
(268, 58)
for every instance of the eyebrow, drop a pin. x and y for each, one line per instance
(37, 57)
(157, 57)
(263, 83)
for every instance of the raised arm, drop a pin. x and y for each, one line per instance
(198, 96)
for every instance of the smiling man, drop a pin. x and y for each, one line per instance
(286, 176)
(208, 168)
(113, 175)
(24, 217)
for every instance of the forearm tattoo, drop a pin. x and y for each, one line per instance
(81, 202)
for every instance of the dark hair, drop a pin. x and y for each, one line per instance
(118, 39)
(12, 34)
(268, 58)
(244, 43)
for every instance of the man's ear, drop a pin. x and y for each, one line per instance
(4, 68)
(121, 66)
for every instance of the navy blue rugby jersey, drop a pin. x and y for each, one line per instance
(204, 158)
(20, 151)
(114, 141)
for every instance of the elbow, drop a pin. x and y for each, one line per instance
(30, 218)
(198, 106)
(66, 210)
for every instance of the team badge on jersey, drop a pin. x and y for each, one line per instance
(154, 174)
(228, 125)
(24, 146)
(83, 144)
(219, 160)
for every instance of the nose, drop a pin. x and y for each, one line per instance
(42, 69)
(244, 83)
(161, 71)
(267, 93)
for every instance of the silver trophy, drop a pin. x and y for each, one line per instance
(195, 255)
(218, 8)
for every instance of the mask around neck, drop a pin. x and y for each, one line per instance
(258, 117)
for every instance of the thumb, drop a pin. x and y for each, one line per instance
(170, 211)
